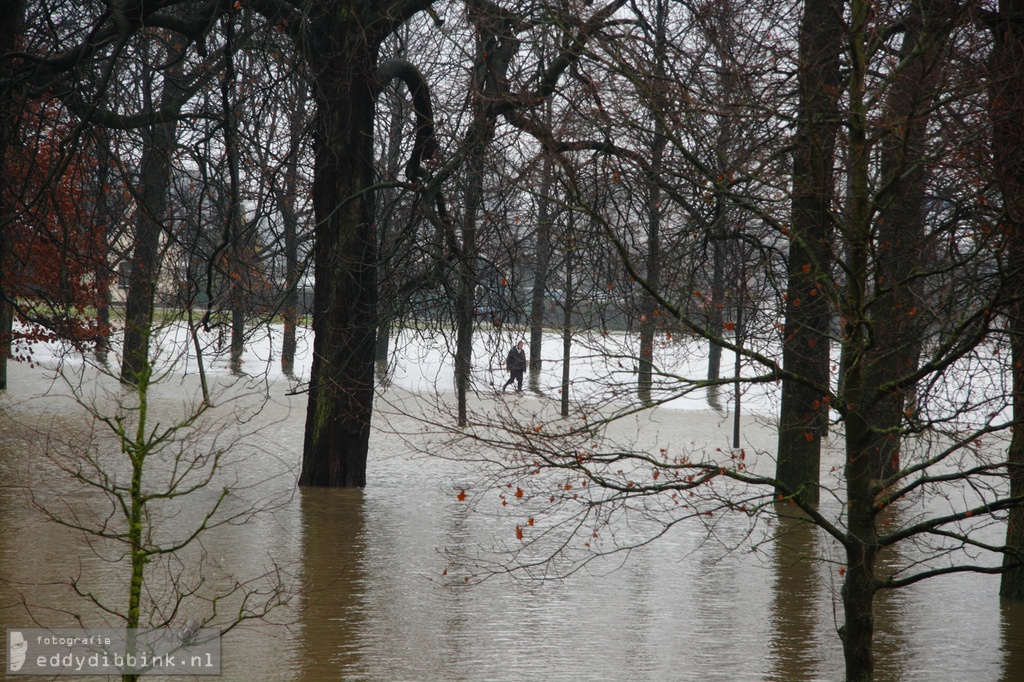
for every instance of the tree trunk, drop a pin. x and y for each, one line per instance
(568, 301)
(1006, 103)
(290, 220)
(495, 48)
(386, 221)
(803, 417)
(542, 259)
(151, 200)
(236, 233)
(345, 252)
(859, 585)
(6, 334)
(900, 230)
(861, 541)
(12, 13)
(466, 298)
(464, 302)
(645, 375)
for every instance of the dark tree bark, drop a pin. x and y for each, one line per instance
(12, 13)
(803, 417)
(345, 293)
(1006, 104)
(151, 198)
(896, 311)
(341, 43)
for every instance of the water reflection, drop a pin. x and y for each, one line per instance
(331, 609)
(366, 569)
(1011, 630)
(796, 617)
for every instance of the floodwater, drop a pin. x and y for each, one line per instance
(368, 580)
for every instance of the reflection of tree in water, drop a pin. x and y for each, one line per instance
(797, 588)
(1011, 623)
(331, 605)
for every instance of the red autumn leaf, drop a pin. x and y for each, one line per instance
(519, 532)
(519, 492)
(462, 496)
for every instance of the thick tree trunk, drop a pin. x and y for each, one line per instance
(861, 541)
(803, 416)
(897, 316)
(345, 295)
(145, 261)
(858, 613)
(859, 585)
(151, 199)
(1006, 102)
(12, 13)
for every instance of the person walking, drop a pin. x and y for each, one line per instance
(516, 365)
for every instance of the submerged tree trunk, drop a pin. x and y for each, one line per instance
(808, 314)
(1006, 104)
(345, 296)
(862, 488)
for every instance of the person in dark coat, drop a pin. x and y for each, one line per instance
(516, 365)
